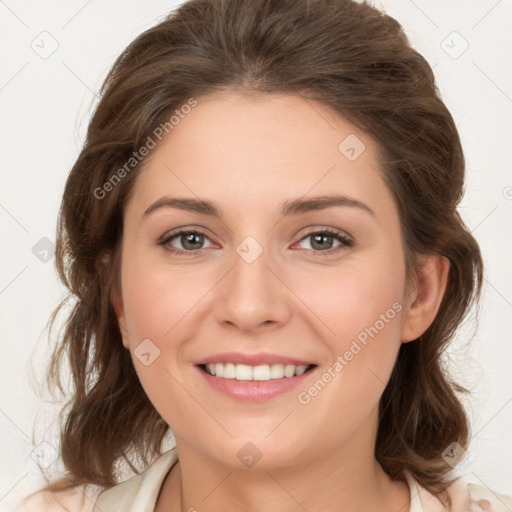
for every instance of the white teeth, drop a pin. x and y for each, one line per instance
(243, 372)
(229, 371)
(277, 371)
(262, 372)
(289, 370)
(300, 370)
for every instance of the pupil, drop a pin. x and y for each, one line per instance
(321, 240)
(189, 239)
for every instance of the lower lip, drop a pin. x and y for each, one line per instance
(254, 390)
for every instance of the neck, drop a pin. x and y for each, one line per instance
(345, 479)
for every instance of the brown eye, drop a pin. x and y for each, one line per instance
(191, 241)
(323, 241)
(187, 241)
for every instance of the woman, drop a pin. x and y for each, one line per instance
(262, 239)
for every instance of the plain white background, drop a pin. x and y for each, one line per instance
(45, 103)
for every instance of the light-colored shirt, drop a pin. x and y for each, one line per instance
(140, 492)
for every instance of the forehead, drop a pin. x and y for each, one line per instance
(260, 149)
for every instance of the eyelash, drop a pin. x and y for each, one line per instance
(345, 242)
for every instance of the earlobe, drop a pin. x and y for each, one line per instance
(426, 296)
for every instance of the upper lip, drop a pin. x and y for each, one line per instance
(252, 359)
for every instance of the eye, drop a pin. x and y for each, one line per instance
(189, 241)
(192, 241)
(323, 241)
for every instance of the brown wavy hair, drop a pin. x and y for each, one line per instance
(353, 59)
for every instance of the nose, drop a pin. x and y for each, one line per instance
(253, 296)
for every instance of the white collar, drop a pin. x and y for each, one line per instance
(416, 505)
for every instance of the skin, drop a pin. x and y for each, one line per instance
(248, 153)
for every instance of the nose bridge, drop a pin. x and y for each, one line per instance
(250, 276)
(251, 295)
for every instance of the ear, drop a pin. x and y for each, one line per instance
(425, 295)
(104, 268)
(117, 303)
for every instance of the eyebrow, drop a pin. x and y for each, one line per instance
(290, 207)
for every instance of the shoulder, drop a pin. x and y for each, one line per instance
(463, 496)
(471, 497)
(485, 499)
(90, 498)
(76, 499)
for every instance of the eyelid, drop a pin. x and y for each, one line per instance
(314, 229)
(188, 228)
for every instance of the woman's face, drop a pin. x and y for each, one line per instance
(281, 273)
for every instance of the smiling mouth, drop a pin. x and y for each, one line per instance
(264, 372)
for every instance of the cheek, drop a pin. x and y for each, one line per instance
(163, 304)
(360, 307)
(363, 311)
(352, 297)
(157, 297)
(157, 300)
